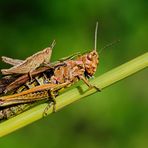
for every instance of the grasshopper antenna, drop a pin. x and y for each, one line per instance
(53, 44)
(96, 33)
(110, 44)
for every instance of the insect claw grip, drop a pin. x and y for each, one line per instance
(45, 113)
(97, 88)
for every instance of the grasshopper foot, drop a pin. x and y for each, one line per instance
(93, 86)
(50, 104)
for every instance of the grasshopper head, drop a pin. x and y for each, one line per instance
(47, 54)
(91, 62)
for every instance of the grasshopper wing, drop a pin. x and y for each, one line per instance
(11, 61)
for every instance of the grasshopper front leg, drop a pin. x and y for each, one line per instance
(88, 83)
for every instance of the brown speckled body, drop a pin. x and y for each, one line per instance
(73, 70)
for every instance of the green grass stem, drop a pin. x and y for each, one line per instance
(75, 94)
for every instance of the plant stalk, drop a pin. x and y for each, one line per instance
(75, 94)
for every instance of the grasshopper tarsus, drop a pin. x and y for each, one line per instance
(52, 95)
(45, 112)
(89, 84)
(50, 104)
(54, 105)
(95, 87)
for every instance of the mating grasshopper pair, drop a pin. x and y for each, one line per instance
(36, 78)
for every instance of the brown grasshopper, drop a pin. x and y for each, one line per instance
(48, 83)
(29, 64)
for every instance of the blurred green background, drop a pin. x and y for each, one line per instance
(115, 118)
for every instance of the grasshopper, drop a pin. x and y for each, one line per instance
(48, 81)
(29, 64)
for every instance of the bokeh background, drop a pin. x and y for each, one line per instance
(115, 118)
